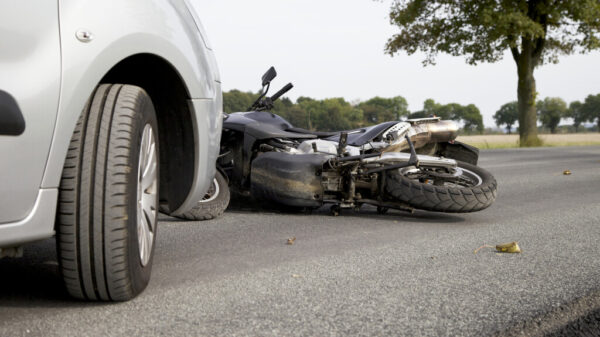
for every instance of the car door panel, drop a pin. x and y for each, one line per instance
(29, 76)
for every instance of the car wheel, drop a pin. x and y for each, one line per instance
(107, 211)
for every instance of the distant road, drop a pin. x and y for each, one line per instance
(357, 274)
(508, 141)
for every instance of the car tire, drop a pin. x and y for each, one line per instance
(107, 211)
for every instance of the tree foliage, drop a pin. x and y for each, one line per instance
(325, 115)
(551, 110)
(507, 115)
(379, 110)
(236, 100)
(591, 109)
(469, 115)
(484, 30)
(534, 31)
(576, 113)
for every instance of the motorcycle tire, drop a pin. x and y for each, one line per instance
(448, 199)
(213, 204)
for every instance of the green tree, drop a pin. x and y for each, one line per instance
(576, 113)
(235, 100)
(432, 108)
(507, 115)
(591, 109)
(378, 110)
(469, 115)
(551, 110)
(312, 108)
(535, 31)
(337, 114)
(297, 116)
(471, 118)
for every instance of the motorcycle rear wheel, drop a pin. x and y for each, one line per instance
(477, 190)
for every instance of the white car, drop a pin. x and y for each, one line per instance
(108, 108)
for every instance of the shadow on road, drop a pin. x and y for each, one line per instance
(247, 205)
(366, 212)
(34, 279)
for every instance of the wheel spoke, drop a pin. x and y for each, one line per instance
(149, 177)
(147, 194)
(150, 164)
(213, 192)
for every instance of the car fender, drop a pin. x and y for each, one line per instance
(115, 30)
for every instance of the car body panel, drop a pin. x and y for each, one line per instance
(163, 32)
(117, 29)
(30, 73)
(37, 225)
(208, 144)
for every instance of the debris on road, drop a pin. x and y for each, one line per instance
(567, 172)
(296, 275)
(291, 241)
(511, 247)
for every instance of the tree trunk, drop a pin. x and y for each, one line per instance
(527, 59)
(528, 134)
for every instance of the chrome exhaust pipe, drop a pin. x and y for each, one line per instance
(421, 134)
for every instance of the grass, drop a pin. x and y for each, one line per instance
(512, 141)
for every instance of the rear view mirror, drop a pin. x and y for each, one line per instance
(269, 76)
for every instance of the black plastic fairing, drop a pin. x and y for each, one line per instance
(262, 125)
(288, 179)
(459, 151)
(362, 136)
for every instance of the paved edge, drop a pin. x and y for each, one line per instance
(555, 320)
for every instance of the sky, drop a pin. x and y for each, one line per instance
(335, 48)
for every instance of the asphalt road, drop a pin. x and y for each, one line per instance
(357, 274)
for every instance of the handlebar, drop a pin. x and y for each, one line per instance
(283, 90)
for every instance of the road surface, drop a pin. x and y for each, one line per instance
(357, 274)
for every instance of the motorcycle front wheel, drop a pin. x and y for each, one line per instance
(469, 189)
(213, 204)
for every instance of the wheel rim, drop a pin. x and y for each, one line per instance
(147, 194)
(474, 177)
(213, 192)
(462, 176)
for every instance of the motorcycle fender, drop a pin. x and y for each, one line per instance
(288, 179)
(459, 151)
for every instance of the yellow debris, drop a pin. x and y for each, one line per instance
(511, 247)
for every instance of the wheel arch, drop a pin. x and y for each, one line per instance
(170, 96)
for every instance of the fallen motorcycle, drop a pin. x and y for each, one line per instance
(405, 165)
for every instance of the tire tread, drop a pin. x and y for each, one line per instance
(92, 212)
(444, 199)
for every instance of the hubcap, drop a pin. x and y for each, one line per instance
(212, 193)
(147, 194)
